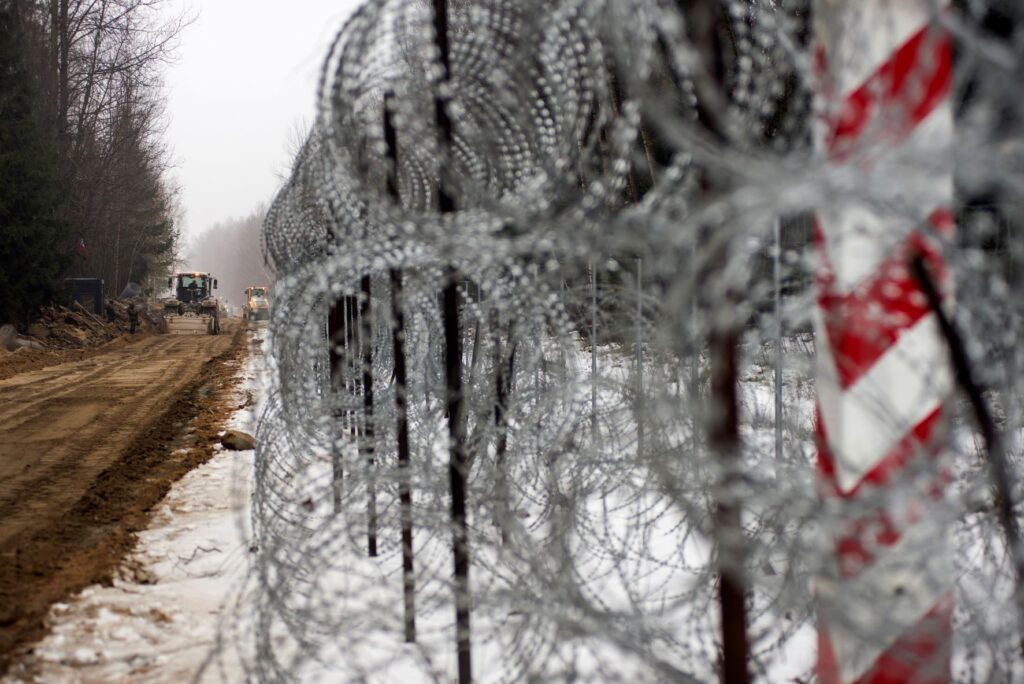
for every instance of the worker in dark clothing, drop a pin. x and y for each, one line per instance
(133, 317)
(111, 314)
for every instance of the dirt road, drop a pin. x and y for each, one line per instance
(86, 448)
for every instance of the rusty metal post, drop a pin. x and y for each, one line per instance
(458, 463)
(401, 397)
(704, 21)
(366, 355)
(336, 329)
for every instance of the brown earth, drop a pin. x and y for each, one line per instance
(27, 359)
(61, 335)
(87, 447)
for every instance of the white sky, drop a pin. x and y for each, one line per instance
(244, 82)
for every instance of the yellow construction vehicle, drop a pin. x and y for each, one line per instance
(257, 304)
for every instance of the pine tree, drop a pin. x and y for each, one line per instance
(33, 252)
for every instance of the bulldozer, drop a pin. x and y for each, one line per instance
(193, 310)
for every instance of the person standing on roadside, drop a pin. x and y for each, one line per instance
(133, 317)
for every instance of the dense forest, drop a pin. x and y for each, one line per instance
(83, 161)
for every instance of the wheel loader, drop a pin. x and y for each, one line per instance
(257, 304)
(193, 310)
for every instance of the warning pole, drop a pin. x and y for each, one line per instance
(885, 604)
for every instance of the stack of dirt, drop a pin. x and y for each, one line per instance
(60, 327)
(62, 335)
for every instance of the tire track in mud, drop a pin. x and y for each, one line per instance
(32, 386)
(26, 360)
(75, 428)
(86, 449)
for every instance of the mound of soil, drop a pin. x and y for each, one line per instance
(63, 335)
(59, 327)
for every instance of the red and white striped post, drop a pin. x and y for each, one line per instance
(883, 372)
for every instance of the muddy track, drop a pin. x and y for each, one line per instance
(26, 360)
(86, 450)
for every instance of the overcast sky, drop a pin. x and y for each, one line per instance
(245, 80)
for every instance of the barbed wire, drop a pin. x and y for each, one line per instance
(608, 211)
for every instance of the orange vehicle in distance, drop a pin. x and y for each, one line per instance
(257, 303)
